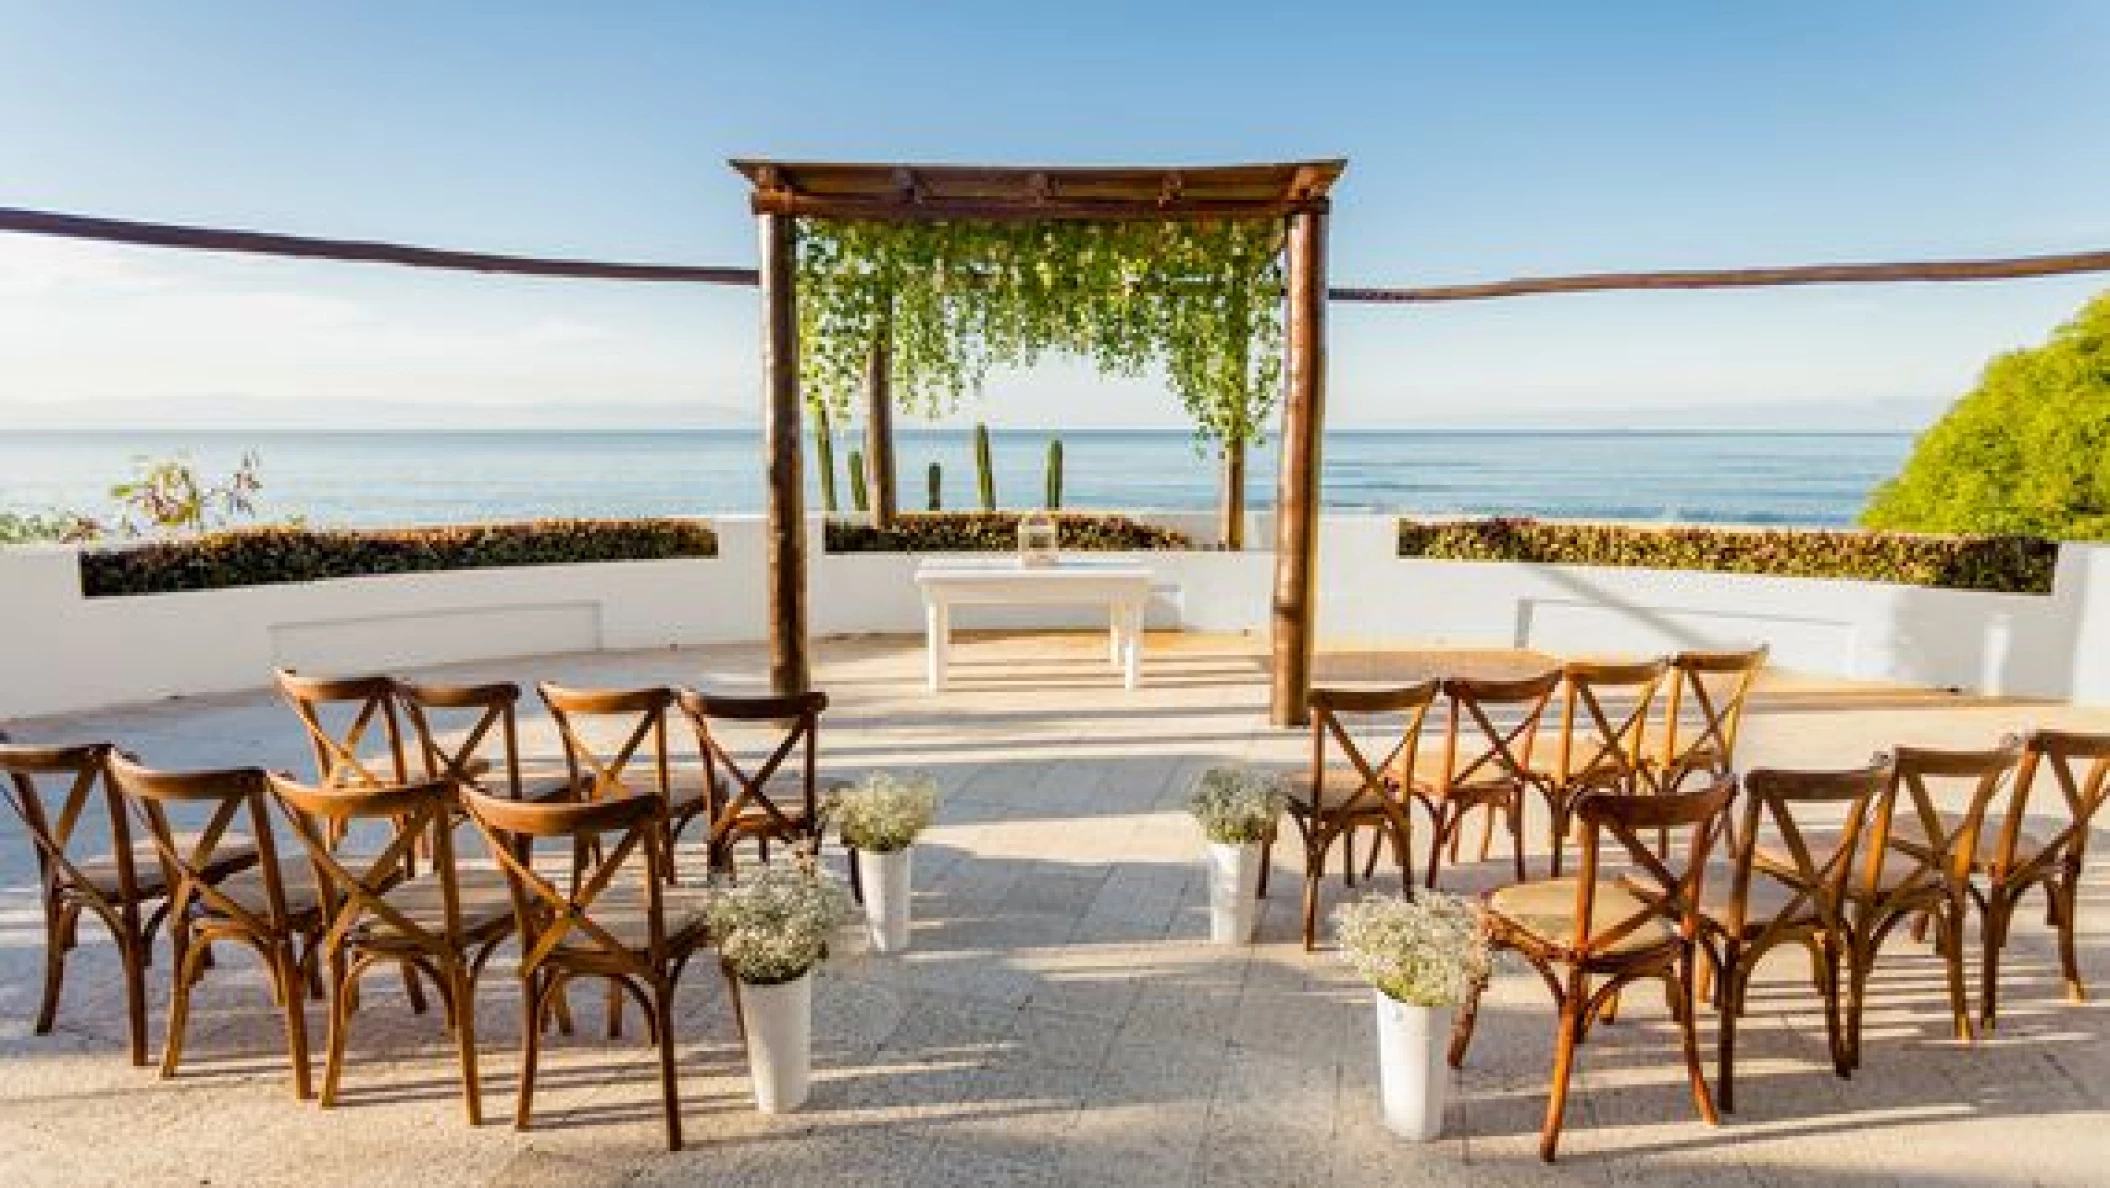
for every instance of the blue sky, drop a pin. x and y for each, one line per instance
(1484, 140)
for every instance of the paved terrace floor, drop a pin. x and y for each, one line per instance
(1061, 1019)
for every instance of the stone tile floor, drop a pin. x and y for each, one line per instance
(1061, 1019)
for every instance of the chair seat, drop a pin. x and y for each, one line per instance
(246, 888)
(1427, 780)
(1338, 787)
(1907, 834)
(1767, 898)
(485, 904)
(1822, 843)
(100, 870)
(623, 911)
(1544, 910)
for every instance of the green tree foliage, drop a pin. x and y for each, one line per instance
(2027, 452)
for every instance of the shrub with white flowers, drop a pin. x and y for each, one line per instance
(1236, 805)
(1429, 951)
(885, 812)
(775, 923)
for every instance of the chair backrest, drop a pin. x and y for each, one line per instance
(230, 799)
(489, 718)
(1799, 808)
(342, 715)
(1924, 782)
(2079, 765)
(547, 913)
(74, 776)
(1667, 884)
(1480, 749)
(735, 787)
(1600, 743)
(615, 740)
(1398, 712)
(1712, 688)
(353, 887)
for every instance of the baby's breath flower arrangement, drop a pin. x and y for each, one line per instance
(884, 812)
(1236, 805)
(775, 923)
(1429, 951)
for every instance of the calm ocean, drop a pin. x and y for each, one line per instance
(401, 478)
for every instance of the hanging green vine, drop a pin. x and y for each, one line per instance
(1202, 299)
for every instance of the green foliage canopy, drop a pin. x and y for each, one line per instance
(2027, 452)
(1201, 298)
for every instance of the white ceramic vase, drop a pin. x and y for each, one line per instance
(1413, 1044)
(779, 1042)
(1234, 889)
(883, 878)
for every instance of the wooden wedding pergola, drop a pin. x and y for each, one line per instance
(1295, 192)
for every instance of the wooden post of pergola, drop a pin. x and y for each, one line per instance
(1295, 191)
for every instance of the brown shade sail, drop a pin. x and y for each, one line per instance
(1123, 193)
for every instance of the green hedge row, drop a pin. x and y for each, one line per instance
(2009, 564)
(266, 556)
(996, 532)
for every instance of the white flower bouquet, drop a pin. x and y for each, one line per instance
(1431, 950)
(774, 925)
(884, 812)
(1236, 805)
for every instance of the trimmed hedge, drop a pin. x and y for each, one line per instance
(997, 532)
(2007, 564)
(269, 556)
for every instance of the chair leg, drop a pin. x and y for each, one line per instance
(534, 1003)
(1827, 958)
(1571, 1026)
(1462, 1027)
(1678, 984)
(615, 1009)
(1444, 829)
(1860, 963)
(663, 1011)
(1516, 834)
(291, 981)
(132, 954)
(1725, 1038)
(1348, 855)
(1999, 909)
(342, 999)
(2069, 959)
(1313, 872)
(1951, 925)
(185, 975)
(413, 989)
(1267, 862)
(732, 991)
(54, 965)
(857, 886)
(464, 996)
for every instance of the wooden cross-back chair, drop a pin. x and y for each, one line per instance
(639, 760)
(1793, 891)
(1590, 935)
(2015, 858)
(61, 794)
(607, 916)
(1484, 764)
(1334, 797)
(445, 923)
(1916, 862)
(1704, 713)
(272, 908)
(487, 717)
(1604, 719)
(347, 719)
(775, 798)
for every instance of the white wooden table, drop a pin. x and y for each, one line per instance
(1123, 588)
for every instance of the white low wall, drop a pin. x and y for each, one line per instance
(65, 652)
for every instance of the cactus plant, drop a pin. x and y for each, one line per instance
(984, 468)
(937, 482)
(860, 498)
(824, 456)
(1054, 474)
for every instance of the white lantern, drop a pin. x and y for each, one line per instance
(1038, 539)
